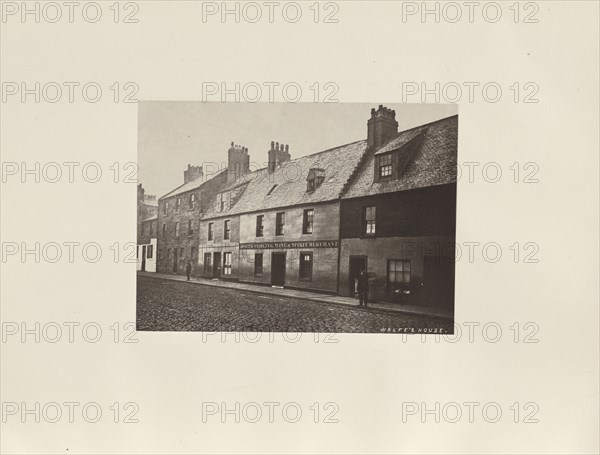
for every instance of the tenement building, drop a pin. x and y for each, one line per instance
(219, 226)
(386, 205)
(179, 212)
(147, 208)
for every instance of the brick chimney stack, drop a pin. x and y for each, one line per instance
(238, 162)
(192, 173)
(278, 154)
(381, 127)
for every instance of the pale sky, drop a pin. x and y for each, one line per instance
(173, 134)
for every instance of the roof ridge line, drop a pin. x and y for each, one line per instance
(191, 189)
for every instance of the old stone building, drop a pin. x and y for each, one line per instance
(283, 219)
(178, 220)
(386, 204)
(398, 214)
(146, 230)
(180, 238)
(219, 237)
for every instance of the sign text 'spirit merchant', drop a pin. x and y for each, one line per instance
(280, 245)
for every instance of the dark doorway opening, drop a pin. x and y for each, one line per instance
(175, 260)
(357, 263)
(143, 258)
(217, 265)
(438, 282)
(277, 269)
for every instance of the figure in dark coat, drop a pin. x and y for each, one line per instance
(363, 288)
(188, 270)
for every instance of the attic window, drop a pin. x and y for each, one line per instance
(315, 179)
(385, 165)
(224, 201)
(271, 190)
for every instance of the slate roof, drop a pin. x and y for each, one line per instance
(433, 163)
(192, 185)
(252, 190)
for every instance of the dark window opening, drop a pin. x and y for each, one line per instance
(280, 223)
(226, 229)
(398, 272)
(260, 225)
(369, 220)
(308, 220)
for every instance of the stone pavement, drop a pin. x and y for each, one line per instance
(413, 310)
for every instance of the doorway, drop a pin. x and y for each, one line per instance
(143, 258)
(217, 265)
(175, 260)
(357, 263)
(438, 282)
(277, 269)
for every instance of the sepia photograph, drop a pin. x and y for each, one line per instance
(299, 227)
(296, 218)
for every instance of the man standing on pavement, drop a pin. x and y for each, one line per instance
(363, 288)
(188, 270)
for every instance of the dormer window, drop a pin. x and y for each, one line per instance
(385, 165)
(223, 201)
(315, 179)
(393, 161)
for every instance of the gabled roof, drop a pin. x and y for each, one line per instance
(194, 184)
(433, 163)
(252, 190)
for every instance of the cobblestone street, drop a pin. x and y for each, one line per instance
(180, 306)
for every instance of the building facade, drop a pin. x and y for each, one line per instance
(386, 205)
(398, 216)
(178, 221)
(291, 246)
(146, 231)
(282, 221)
(219, 245)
